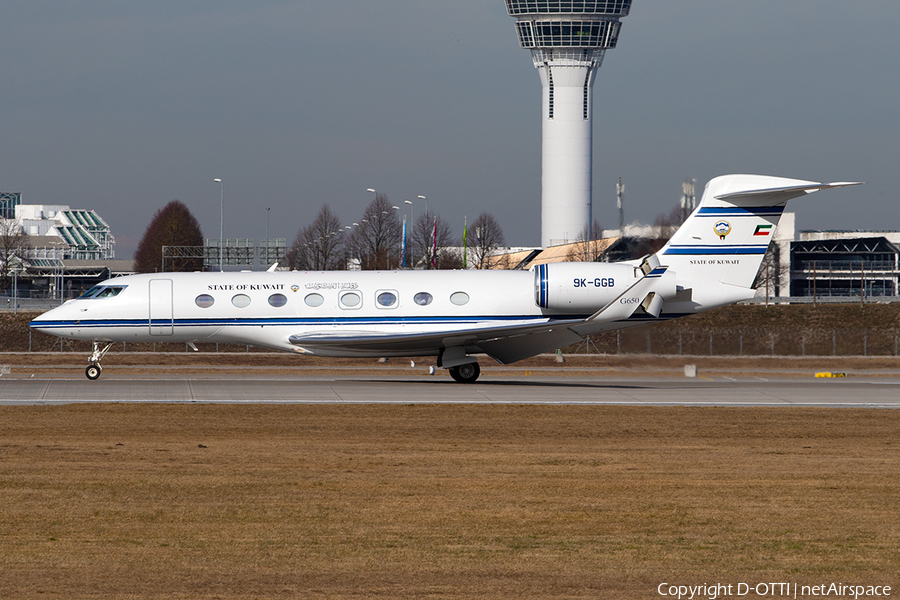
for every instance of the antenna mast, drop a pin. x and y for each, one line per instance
(620, 193)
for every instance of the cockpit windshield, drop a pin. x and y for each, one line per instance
(102, 291)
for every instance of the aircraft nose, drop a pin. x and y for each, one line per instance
(45, 321)
(39, 323)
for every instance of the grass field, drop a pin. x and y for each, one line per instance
(255, 501)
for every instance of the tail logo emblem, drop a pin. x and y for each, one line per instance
(722, 228)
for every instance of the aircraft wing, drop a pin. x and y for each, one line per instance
(505, 343)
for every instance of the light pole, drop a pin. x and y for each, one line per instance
(15, 291)
(267, 237)
(402, 236)
(412, 224)
(57, 271)
(426, 203)
(221, 221)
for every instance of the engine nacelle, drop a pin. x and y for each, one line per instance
(583, 287)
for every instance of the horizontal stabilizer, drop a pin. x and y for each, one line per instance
(778, 195)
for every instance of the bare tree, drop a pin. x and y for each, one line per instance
(430, 244)
(12, 249)
(485, 237)
(668, 224)
(587, 246)
(320, 245)
(376, 241)
(771, 272)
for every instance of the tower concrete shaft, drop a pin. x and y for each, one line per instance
(568, 40)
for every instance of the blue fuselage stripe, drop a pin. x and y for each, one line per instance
(762, 211)
(304, 322)
(700, 250)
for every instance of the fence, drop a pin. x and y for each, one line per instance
(28, 304)
(741, 342)
(820, 298)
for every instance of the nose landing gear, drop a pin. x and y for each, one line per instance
(94, 369)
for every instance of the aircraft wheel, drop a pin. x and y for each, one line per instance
(467, 373)
(92, 372)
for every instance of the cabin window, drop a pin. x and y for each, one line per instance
(386, 299)
(459, 298)
(240, 300)
(314, 300)
(277, 300)
(423, 298)
(204, 301)
(351, 300)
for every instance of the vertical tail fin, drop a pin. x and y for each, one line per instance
(726, 237)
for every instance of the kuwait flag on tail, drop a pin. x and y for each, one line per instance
(763, 230)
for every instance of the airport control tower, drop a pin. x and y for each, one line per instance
(567, 39)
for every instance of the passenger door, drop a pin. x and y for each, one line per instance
(162, 320)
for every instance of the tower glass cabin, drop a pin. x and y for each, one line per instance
(567, 39)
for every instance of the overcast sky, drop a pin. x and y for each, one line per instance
(122, 106)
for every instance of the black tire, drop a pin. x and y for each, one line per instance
(92, 372)
(466, 373)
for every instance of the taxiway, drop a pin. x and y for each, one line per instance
(850, 392)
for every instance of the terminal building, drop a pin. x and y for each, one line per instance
(845, 264)
(8, 203)
(71, 233)
(53, 251)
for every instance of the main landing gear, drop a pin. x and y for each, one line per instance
(94, 369)
(463, 368)
(466, 373)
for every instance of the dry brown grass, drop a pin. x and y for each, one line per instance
(256, 501)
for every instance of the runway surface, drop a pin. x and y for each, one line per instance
(849, 392)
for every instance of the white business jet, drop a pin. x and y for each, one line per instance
(711, 261)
